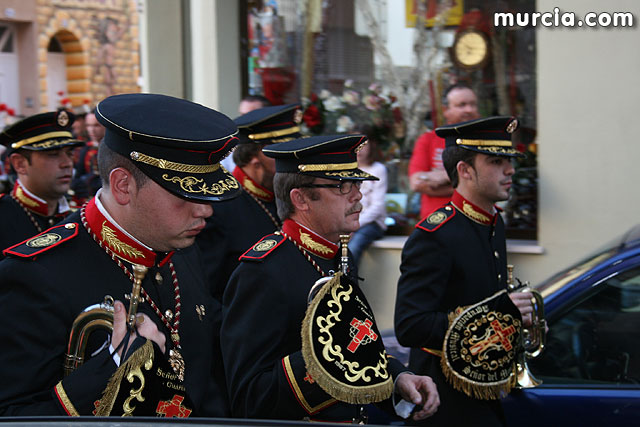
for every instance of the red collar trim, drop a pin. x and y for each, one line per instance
(111, 235)
(29, 201)
(309, 240)
(472, 211)
(250, 186)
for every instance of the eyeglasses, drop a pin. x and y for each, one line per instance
(345, 187)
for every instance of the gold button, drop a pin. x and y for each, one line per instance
(499, 277)
(448, 208)
(168, 314)
(69, 226)
(496, 254)
(159, 278)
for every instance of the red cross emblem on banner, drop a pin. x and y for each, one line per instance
(308, 378)
(173, 408)
(499, 336)
(361, 333)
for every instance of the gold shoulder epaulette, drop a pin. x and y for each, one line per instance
(51, 238)
(436, 219)
(264, 247)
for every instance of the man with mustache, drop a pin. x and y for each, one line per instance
(426, 172)
(40, 152)
(238, 224)
(159, 162)
(317, 193)
(456, 257)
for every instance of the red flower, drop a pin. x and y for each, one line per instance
(60, 93)
(3, 107)
(311, 116)
(314, 98)
(11, 112)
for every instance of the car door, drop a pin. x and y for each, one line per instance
(591, 364)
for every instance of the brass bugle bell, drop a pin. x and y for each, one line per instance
(99, 317)
(533, 338)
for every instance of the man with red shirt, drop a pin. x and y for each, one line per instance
(426, 172)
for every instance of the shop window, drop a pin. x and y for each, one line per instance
(290, 52)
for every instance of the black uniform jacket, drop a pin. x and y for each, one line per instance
(235, 225)
(43, 289)
(264, 305)
(454, 258)
(15, 224)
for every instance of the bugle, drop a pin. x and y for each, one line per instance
(533, 338)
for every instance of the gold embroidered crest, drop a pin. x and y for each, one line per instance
(24, 199)
(436, 218)
(118, 246)
(474, 214)
(63, 119)
(512, 126)
(44, 240)
(308, 241)
(264, 245)
(297, 116)
(251, 187)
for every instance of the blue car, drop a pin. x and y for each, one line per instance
(590, 367)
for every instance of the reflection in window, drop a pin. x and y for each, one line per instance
(596, 339)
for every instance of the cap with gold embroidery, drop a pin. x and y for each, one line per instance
(45, 131)
(177, 143)
(270, 125)
(491, 135)
(324, 156)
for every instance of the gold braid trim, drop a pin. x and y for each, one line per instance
(274, 133)
(173, 166)
(485, 142)
(358, 395)
(38, 138)
(64, 399)
(130, 370)
(327, 167)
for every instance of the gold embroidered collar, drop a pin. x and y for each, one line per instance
(252, 187)
(309, 240)
(111, 235)
(472, 211)
(35, 205)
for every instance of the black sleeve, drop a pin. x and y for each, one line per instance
(424, 274)
(265, 370)
(34, 334)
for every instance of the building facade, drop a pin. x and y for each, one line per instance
(71, 52)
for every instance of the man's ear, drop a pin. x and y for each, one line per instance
(299, 199)
(122, 185)
(19, 163)
(465, 170)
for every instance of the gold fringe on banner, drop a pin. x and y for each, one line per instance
(477, 390)
(131, 369)
(332, 386)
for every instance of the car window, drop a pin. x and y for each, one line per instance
(596, 338)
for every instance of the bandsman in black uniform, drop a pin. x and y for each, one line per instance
(317, 192)
(160, 164)
(237, 224)
(40, 151)
(456, 257)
